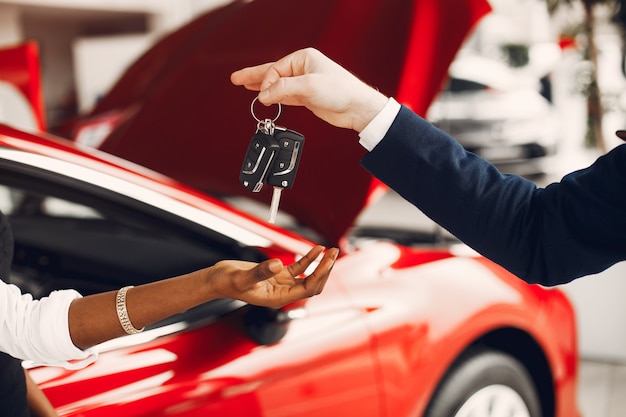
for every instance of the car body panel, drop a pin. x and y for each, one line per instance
(391, 322)
(218, 369)
(410, 352)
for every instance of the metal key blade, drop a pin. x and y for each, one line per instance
(274, 204)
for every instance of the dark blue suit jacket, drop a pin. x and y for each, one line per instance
(549, 236)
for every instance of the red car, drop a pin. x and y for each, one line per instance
(398, 330)
(403, 330)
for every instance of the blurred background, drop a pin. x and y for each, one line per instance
(538, 88)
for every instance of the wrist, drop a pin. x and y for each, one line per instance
(376, 130)
(370, 107)
(208, 283)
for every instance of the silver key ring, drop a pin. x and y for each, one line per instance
(259, 120)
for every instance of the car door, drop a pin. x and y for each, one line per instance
(212, 359)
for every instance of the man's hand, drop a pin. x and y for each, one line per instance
(310, 79)
(270, 283)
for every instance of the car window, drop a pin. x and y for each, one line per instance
(69, 234)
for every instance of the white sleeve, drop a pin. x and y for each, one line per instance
(38, 330)
(376, 130)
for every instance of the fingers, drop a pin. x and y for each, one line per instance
(250, 77)
(292, 65)
(301, 265)
(315, 282)
(271, 86)
(260, 77)
(273, 267)
(278, 81)
(271, 284)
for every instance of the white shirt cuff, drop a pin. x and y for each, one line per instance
(376, 130)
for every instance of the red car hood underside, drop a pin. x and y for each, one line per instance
(181, 116)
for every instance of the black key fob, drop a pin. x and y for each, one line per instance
(285, 166)
(260, 155)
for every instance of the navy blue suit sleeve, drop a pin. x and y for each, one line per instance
(548, 236)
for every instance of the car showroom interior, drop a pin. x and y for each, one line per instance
(123, 151)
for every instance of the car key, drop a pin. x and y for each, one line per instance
(272, 157)
(285, 166)
(260, 154)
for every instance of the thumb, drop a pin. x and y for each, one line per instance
(267, 269)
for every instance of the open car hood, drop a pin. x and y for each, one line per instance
(175, 110)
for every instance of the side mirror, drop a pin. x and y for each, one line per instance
(267, 326)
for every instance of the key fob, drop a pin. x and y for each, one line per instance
(285, 166)
(261, 152)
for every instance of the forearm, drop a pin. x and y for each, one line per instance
(466, 195)
(94, 319)
(548, 236)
